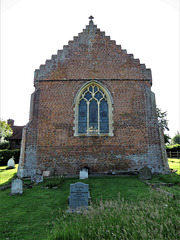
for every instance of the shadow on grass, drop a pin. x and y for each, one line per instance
(9, 180)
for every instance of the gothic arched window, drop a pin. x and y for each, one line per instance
(93, 111)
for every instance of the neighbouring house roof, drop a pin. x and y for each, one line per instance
(17, 132)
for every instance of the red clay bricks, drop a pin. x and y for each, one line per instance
(50, 142)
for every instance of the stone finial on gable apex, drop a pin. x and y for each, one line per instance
(91, 18)
(91, 23)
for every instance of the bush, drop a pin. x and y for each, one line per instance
(173, 148)
(5, 155)
(4, 145)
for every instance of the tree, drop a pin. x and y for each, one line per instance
(162, 119)
(176, 138)
(5, 131)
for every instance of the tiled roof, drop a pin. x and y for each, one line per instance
(17, 132)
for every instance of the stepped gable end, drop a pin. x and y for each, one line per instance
(92, 55)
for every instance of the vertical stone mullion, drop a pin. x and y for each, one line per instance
(87, 117)
(98, 117)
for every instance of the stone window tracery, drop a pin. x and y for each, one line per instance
(93, 111)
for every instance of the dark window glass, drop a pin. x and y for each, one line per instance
(93, 104)
(93, 116)
(90, 89)
(98, 95)
(88, 96)
(104, 117)
(82, 121)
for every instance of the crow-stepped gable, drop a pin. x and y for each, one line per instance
(92, 108)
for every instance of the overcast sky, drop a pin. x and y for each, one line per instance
(33, 30)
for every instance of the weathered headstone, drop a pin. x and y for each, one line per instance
(145, 173)
(16, 186)
(36, 178)
(83, 174)
(10, 163)
(46, 173)
(79, 196)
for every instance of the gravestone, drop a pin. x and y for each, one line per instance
(83, 174)
(46, 173)
(16, 186)
(145, 173)
(79, 196)
(37, 178)
(10, 163)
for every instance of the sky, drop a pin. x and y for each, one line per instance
(33, 30)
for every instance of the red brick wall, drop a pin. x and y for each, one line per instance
(60, 150)
(50, 142)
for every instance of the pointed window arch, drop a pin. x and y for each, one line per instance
(93, 111)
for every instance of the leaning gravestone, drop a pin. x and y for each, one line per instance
(145, 173)
(79, 196)
(83, 174)
(10, 163)
(16, 186)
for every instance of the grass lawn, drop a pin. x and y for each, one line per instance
(122, 207)
(33, 214)
(7, 175)
(174, 164)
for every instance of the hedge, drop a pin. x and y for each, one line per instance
(4, 145)
(5, 155)
(173, 148)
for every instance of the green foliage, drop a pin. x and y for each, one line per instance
(5, 155)
(4, 145)
(5, 131)
(157, 217)
(175, 146)
(167, 138)
(176, 138)
(162, 118)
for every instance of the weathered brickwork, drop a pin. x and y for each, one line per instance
(49, 142)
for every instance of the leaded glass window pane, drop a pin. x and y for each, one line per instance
(88, 96)
(90, 89)
(93, 113)
(93, 116)
(98, 95)
(82, 121)
(104, 117)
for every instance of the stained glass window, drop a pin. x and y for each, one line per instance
(93, 111)
(82, 126)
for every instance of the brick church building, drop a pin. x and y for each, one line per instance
(92, 107)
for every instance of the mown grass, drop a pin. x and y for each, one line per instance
(174, 164)
(122, 207)
(33, 214)
(7, 175)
